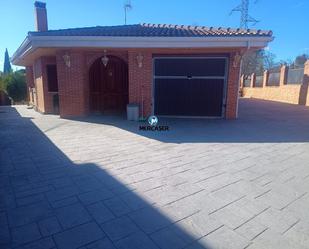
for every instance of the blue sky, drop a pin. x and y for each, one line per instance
(287, 18)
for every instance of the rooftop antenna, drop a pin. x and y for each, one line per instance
(127, 7)
(245, 18)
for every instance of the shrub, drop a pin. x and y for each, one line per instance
(15, 85)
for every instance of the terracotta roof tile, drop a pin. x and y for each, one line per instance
(153, 30)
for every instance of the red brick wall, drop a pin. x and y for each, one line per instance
(30, 84)
(29, 76)
(73, 81)
(72, 84)
(140, 79)
(232, 89)
(43, 99)
(38, 81)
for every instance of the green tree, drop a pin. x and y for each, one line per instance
(7, 64)
(2, 87)
(15, 86)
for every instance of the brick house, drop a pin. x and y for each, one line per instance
(168, 70)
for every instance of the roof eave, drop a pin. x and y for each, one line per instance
(22, 51)
(33, 42)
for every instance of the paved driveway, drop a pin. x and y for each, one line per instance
(99, 182)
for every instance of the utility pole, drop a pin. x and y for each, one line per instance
(245, 18)
(127, 7)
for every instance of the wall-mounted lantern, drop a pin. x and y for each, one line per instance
(67, 59)
(105, 59)
(140, 59)
(237, 59)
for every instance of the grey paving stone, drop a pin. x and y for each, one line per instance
(278, 221)
(272, 239)
(30, 199)
(62, 182)
(250, 229)
(64, 202)
(133, 201)
(172, 237)
(88, 184)
(62, 193)
(232, 216)
(119, 228)
(298, 234)
(5, 237)
(101, 244)
(24, 234)
(45, 243)
(3, 218)
(95, 196)
(28, 214)
(72, 215)
(137, 240)
(149, 219)
(120, 189)
(117, 206)
(7, 201)
(100, 213)
(132, 169)
(49, 226)
(200, 224)
(33, 191)
(78, 236)
(224, 238)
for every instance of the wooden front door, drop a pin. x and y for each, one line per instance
(108, 86)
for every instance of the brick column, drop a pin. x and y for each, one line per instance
(30, 84)
(72, 84)
(39, 86)
(140, 81)
(283, 75)
(253, 78)
(265, 78)
(232, 88)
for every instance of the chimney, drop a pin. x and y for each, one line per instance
(40, 16)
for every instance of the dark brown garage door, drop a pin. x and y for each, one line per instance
(189, 86)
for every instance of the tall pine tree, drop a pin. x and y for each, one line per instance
(7, 64)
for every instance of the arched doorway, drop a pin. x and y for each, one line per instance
(108, 86)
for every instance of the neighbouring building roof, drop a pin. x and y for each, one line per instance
(155, 30)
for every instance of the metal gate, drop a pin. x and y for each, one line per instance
(190, 86)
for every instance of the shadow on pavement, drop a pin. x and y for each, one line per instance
(47, 201)
(259, 122)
